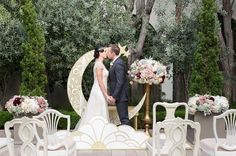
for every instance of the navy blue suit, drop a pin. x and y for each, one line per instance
(118, 85)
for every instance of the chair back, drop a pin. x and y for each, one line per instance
(229, 117)
(170, 113)
(176, 137)
(52, 117)
(170, 109)
(28, 135)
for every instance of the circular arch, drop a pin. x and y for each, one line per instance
(74, 86)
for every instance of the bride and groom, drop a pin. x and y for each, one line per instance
(115, 78)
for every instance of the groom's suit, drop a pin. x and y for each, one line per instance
(118, 84)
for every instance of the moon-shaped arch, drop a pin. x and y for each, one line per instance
(74, 86)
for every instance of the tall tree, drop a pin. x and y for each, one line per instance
(177, 33)
(33, 78)
(227, 52)
(206, 77)
(10, 49)
(178, 75)
(143, 13)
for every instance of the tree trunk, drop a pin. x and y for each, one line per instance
(234, 68)
(179, 83)
(143, 12)
(227, 57)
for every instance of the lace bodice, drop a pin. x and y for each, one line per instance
(100, 65)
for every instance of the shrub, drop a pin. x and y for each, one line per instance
(74, 118)
(4, 117)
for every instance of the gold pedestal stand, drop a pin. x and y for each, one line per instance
(147, 120)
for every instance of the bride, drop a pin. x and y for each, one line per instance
(97, 103)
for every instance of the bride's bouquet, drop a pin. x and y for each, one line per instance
(148, 71)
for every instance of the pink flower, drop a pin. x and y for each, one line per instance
(202, 100)
(26, 104)
(40, 110)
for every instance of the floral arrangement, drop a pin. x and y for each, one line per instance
(26, 104)
(207, 104)
(147, 71)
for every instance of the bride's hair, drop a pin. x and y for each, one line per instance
(97, 50)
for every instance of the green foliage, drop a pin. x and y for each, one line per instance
(206, 77)
(33, 75)
(181, 39)
(77, 27)
(4, 117)
(5, 16)
(10, 41)
(173, 42)
(74, 118)
(10, 48)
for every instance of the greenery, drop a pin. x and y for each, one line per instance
(10, 53)
(206, 77)
(173, 42)
(4, 117)
(74, 118)
(77, 27)
(33, 77)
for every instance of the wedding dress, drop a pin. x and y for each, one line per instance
(97, 104)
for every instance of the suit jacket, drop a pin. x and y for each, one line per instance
(118, 82)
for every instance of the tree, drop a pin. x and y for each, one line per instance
(175, 41)
(141, 23)
(33, 77)
(227, 48)
(180, 76)
(77, 27)
(206, 77)
(10, 49)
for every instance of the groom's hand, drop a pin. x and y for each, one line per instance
(109, 100)
(113, 101)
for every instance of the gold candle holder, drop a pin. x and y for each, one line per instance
(147, 119)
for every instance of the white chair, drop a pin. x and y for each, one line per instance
(221, 146)
(27, 132)
(170, 109)
(170, 114)
(52, 118)
(3, 145)
(56, 139)
(175, 131)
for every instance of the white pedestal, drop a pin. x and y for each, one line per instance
(206, 123)
(16, 137)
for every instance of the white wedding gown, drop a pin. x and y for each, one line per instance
(97, 104)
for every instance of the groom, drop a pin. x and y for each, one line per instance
(118, 83)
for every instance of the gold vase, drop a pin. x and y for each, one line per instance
(147, 120)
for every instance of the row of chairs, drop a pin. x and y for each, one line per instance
(169, 137)
(39, 136)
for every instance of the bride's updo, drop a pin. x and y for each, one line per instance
(97, 51)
